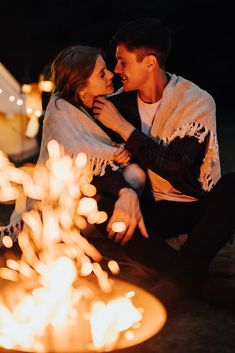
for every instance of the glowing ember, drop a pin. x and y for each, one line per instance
(7, 241)
(118, 227)
(57, 297)
(113, 266)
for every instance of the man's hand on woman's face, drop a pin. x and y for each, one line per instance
(108, 115)
(127, 210)
(106, 112)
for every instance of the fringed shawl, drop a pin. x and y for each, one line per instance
(78, 131)
(187, 110)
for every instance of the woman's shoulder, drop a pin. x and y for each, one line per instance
(58, 107)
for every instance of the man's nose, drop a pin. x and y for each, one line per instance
(117, 69)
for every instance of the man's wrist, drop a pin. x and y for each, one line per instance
(125, 130)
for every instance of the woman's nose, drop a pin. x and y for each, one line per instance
(110, 74)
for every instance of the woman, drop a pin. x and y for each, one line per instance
(79, 74)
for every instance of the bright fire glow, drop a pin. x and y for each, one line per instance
(106, 331)
(46, 293)
(118, 227)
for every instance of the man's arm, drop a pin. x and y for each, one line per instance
(169, 161)
(106, 112)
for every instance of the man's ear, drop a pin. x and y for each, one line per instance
(151, 62)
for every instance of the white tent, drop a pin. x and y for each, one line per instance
(13, 120)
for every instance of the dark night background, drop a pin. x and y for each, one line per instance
(32, 32)
(203, 35)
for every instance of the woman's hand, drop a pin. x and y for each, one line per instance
(127, 210)
(121, 156)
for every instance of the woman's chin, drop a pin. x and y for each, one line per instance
(110, 90)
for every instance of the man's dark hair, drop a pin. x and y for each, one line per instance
(145, 36)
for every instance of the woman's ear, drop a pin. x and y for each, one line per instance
(82, 93)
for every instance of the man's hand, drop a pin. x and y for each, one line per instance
(108, 115)
(127, 210)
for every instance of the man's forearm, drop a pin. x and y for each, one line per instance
(124, 129)
(170, 161)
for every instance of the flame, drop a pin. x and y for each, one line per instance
(122, 314)
(49, 284)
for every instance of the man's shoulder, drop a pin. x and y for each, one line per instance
(194, 88)
(188, 90)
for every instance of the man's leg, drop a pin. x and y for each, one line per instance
(216, 225)
(212, 231)
(170, 218)
(209, 223)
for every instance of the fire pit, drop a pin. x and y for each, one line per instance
(57, 297)
(77, 336)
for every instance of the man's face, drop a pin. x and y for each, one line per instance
(132, 72)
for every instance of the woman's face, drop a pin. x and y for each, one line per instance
(99, 83)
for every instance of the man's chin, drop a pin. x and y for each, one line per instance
(125, 86)
(127, 89)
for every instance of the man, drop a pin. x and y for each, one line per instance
(169, 126)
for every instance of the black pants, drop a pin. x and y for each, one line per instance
(209, 223)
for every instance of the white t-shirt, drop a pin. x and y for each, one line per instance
(147, 112)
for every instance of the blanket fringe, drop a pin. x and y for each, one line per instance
(99, 165)
(200, 132)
